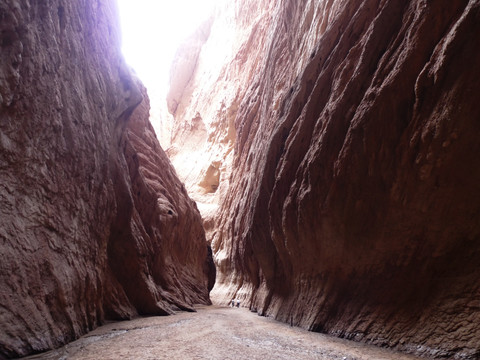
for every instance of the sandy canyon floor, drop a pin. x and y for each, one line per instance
(212, 333)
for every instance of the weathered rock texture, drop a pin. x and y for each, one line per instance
(353, 205)
(171, 233)
(209, 77)
(94, 224)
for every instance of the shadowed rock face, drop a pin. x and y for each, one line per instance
(353, 205)
(165, 231)
(94, 224)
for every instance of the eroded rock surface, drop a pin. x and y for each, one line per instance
(178, 268)
(353, 204)
(94, 224)
(210, 76)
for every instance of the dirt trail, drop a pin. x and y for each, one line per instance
(212, 333)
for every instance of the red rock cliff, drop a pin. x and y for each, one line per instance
(353, 205)
(94, 224)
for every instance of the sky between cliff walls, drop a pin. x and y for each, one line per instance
(152, 30)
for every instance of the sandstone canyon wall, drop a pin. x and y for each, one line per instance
(351, 201)
(94, 224)
(209, 78)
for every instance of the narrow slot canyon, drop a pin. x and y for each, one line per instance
(315, 160)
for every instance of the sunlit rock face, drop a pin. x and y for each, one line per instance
(210, 77)
(351, 200)
(94, 224)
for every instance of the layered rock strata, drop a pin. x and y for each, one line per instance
(94, 224)
(353, 205)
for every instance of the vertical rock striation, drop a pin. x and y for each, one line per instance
(94, 224)
(172, 265)
(353, 204)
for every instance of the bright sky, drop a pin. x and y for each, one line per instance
(152, 30)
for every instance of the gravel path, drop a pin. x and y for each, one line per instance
(212, 333)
